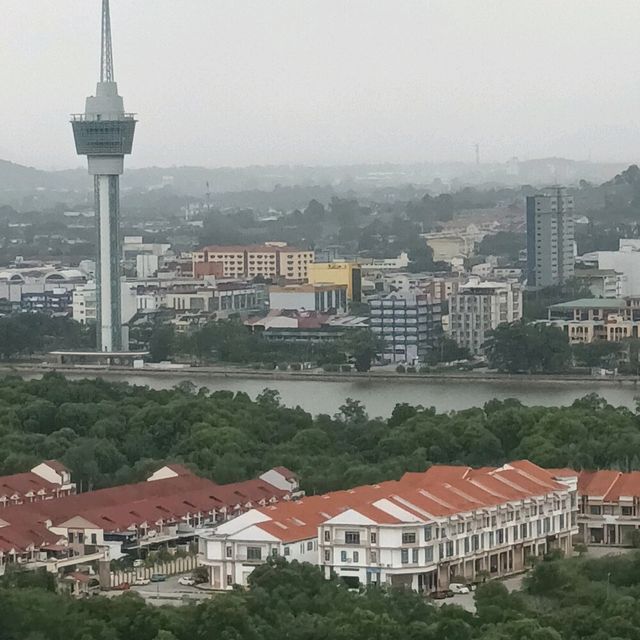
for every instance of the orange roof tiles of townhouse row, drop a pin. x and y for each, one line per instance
(24, 483)
(117, 509)
(608, 485)
(440, 491)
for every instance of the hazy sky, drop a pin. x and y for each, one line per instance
(238, 82)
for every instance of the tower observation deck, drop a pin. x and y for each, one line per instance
(104, 133)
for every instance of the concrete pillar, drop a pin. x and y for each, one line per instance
(104, 574)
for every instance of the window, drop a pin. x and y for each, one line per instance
(404, 556)
(493, 521)
(515, 532)
(254, 553)
(475, 542)
(427, 533)
(523, 530)
(229, 580)
(374, 538)
(428, 554)
(352, 537)
(81, 538)
(310, 545)
(374, 557)
(274, 552)
(408, 537)
(461, 527)
(287, 551)
(491, 538)
(327, 536)
(327, 555)
(343, 556)
(229, 552)
(500, 536)
(414, 555)
(449, 549)
(356, 556)
(627, 511)
(94, 538)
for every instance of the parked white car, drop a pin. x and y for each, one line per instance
(186, 581)
(456, 587)
(141, 582)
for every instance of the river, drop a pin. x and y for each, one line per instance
(380, 396)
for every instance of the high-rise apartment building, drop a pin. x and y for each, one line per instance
(479, 307)
(550, 238)
(407, 322)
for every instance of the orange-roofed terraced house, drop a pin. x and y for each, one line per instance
(418, 532)
(609, 507)
(47, 526)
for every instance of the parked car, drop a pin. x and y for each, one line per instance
(123, 586)
(138, 563)
(158, 577)
(439, 595)
(141, 582)
(186, 581)
(458, 587)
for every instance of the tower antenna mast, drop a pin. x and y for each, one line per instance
(106, 55)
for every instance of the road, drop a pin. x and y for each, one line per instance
(170, 592)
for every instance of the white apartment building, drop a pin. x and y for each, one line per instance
(84, 305)
(479, 307)
(418, 532)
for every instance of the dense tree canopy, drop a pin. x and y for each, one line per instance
(110, 433)
(574, 599)
(520, 347)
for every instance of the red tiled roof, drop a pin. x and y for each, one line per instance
(121, 508)
(56, 466)
(286, 473)
(180, 469)
(24, 483)
(608, 485)
(441, 491)
(597, 483)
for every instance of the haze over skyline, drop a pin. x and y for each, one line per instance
(242, 82)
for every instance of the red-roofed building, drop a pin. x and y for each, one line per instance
(609, 506)
(46, 481)
(166, 509)
(417, 532)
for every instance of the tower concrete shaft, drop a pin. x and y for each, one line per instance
(104, 133)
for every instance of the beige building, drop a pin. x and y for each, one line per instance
(589, 319)
(272, 260)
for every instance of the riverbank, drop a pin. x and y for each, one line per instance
(378, 391)
(315, 375)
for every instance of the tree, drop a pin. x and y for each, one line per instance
(530, 348)
(161, 342)
(364, 346)
(599, 353)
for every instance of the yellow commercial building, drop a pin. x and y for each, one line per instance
(340, 273)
